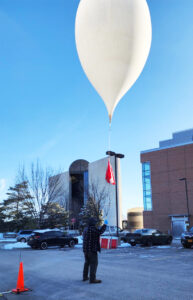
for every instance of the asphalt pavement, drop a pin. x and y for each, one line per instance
(134, 273)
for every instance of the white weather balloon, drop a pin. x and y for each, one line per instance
(113, 39)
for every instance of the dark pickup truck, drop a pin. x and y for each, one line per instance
(148, 237)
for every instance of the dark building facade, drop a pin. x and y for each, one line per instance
(168, 205)
(78, 185)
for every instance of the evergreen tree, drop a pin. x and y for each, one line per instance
(55, 215)
(91, 209)
(18, 207)
(97, 205)
(2, 217)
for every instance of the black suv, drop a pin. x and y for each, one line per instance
(45, 239)
(187, 238)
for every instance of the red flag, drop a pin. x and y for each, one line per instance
(109, 174)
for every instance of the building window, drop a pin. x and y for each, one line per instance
(147, 195)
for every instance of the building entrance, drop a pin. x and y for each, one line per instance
(77, 193)
(179, 225)
(78, 189)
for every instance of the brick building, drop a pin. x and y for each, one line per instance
(168, 205)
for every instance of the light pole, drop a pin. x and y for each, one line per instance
(116, 155)
(185, 180)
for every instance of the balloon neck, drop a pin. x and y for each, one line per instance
(110, 119)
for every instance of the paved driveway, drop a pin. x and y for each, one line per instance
(127, 273)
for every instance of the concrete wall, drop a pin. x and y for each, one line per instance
(97, 172)
(182, 137)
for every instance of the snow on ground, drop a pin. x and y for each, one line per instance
(80, 241)
(163, 247)
(15, 245)
(124, 245)
(5, 240)
(146, 256)
(45, 230)
(78, 246)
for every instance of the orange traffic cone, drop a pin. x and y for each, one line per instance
(20, 281)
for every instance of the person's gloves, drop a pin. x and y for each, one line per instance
(105, 222)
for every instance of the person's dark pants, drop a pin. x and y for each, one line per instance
(91, 260)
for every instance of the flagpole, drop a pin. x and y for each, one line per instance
(116, 155)
(116, 191)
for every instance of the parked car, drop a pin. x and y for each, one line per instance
(112, 231)
(71, 232)
(23, 235)
(148, 237)
(43, 239)
(187, 238)
(9, 235)
(123, 234)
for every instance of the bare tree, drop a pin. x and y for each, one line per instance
(97, 205)
(45, 187)
(58, 191)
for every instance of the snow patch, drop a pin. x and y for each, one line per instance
(144, 256)
(80, 239)
(163, 247)
(5, 240)
(45, 230)
(124, 245)
(15, 245)
(78, 246)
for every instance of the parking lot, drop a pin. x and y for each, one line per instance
(127, 273)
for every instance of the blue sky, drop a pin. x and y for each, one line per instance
(50, 111)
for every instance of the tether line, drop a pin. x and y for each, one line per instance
(109, 136)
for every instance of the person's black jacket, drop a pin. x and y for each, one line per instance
(91, 238)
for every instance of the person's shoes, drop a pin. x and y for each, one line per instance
(96, 281)
(85, 279)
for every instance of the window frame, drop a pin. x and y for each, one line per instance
(147, 188)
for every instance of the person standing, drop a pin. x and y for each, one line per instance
(91, 245)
